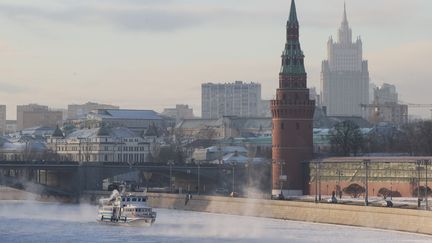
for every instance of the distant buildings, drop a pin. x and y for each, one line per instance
(225, 128)
(138, 121)
(34, 115)
(75, 111)
(100, 145)
(345, 75)
(11, 126)
(179, 113)
(230, 99)
(386, 108)
(2, 119)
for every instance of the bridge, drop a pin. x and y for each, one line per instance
(72, 178)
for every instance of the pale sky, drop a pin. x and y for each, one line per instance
(151, 54)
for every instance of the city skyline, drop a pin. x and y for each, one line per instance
(62, 53)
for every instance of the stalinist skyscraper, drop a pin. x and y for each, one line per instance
(345, 75)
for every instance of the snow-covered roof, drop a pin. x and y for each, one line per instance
(227, 149)
(116, 132)
(129, 114)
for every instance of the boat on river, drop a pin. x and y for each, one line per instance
(126, 209)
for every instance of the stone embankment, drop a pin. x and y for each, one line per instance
(416, 221)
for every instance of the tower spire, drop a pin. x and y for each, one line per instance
(345, 33)
(293, 13)
(345, 18)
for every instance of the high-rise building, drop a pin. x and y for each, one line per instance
(292, 111)
(179, 113)
(345, 75)
(34, 115)
(230, 99)
(385, 106)
(75, 111)
(2, 119)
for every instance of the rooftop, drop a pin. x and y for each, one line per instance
(128, 114)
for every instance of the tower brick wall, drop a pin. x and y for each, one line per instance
(292, 112)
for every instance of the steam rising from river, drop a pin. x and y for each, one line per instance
(55, 222)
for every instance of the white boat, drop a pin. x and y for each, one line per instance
(126, 209)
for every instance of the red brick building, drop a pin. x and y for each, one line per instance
(292, 112)
(396, 176)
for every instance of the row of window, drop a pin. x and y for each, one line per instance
(96, 148)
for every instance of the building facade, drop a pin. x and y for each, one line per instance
(179, 113)
(2, 119)
(387, 176)
(11, 126)
(118, 145)
(34, 115)
(75, 111)
(385, 106)
(138, 121)
(230, 99)
(345, 75)
(292, 112)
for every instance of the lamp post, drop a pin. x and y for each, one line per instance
(391, 180)
(233, 177)
(426, 184)
(170, 163)
(316, 182)
(339, 171)
(319, 180)
(199, 179)
(418, 183)
(366, 165)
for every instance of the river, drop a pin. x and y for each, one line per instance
(28, 221)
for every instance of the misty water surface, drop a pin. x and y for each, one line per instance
(24, 221)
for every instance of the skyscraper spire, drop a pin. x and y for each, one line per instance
(293, 13)
(345, 18)
(345, 33)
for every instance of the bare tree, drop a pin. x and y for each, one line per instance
(346, 138)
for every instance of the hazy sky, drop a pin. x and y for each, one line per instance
(152, 54)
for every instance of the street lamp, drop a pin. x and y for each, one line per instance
(391, 180)
(426, 183)
(339, 171)
(199, 178)
(426, 163)
(170, 163)
(233, 163)
(316, 182)
(366, 164)
(418, 183)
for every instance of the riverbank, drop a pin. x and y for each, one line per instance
(415, 221)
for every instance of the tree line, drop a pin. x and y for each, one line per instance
(415, 138)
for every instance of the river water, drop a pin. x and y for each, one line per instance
(27, 221)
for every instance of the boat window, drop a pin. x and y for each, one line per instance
(128, 199)
(134, 199)
(123, 199)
